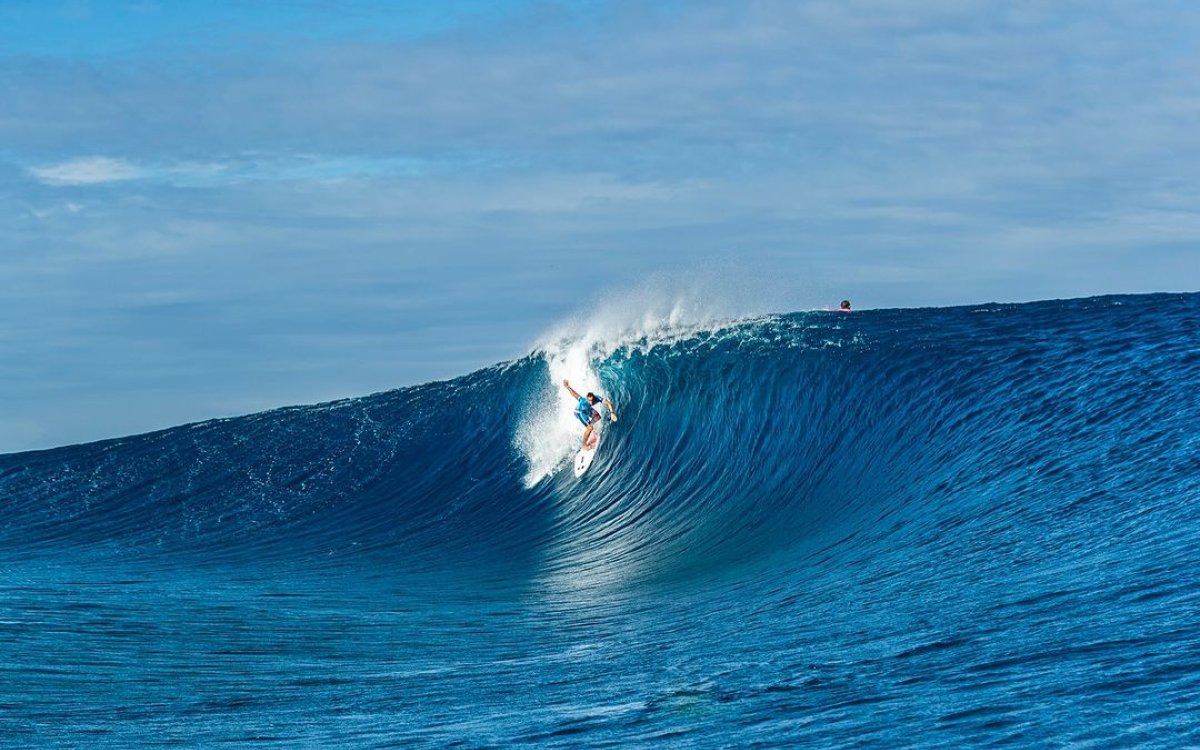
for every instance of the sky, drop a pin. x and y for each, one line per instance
(216, 208)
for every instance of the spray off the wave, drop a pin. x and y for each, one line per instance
(577, 348)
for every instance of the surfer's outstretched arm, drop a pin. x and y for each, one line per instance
(612, 412)
(574, 392)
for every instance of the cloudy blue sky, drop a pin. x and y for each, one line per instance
(215, 208)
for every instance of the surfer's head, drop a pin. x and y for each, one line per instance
(592, 398)
(845, 304)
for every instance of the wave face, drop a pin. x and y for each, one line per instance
(940, 526)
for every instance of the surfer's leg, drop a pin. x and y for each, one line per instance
(587, 433)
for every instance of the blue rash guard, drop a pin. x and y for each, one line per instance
(587, 413)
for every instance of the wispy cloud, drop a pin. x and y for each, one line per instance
(89, 170)
(96, 170)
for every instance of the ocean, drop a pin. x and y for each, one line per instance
(943, 527)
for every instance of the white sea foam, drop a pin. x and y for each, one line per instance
(653, 314)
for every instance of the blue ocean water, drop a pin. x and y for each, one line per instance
(937, 528)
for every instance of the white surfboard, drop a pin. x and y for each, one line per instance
(583, 459)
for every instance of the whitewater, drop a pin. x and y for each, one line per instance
(938, 527)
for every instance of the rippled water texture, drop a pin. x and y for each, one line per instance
(937, 527)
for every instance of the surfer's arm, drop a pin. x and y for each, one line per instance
(612, 412)
(574, 392)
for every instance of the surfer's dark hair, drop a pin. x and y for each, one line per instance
(592, 397)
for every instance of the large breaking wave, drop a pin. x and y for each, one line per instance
(945, 527)
(739, 440)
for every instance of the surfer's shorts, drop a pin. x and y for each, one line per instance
(588, 419)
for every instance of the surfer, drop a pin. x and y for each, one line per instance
(586, 411)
